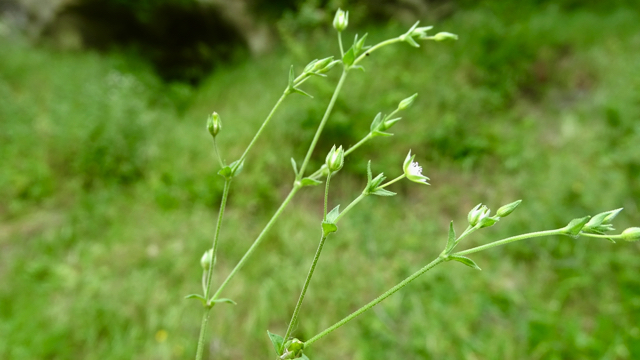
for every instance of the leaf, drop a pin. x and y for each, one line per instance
(349, 57)
(575, 226)
(277, 342)
(465, 260)
(226, 172)
(295, 167)
(383, 192)
(376, 122)
(295, 89)
(328, 228)
(197, 296)
(451, 241)
(309, 182)
(333, 214)
(292, 77)
(369, 175)
(223, 300)
(412, 42)
(359, 44)
(381, 133)
(236, 167)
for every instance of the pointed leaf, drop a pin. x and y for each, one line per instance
(223, 300)
(359, 44)
(377, 181)
(412, 42)
(465, 260)
(575, 226)
(328, 228)
(369, 173)
(383, 192)
(292, 77)
(451, 241)
(295, 166)
(349, 57)
(333, 214)
(376, 122)
(359, 67)
(277, 342)
(295, 89)
(381, 133)
(197, 296)
(309, 182)
(236, 167)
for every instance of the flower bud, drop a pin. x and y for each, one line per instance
(442, 36)
(206, 259)
(341, 20)
(407, 102)
(508, 209)
(631, 234)
(477, 214)
(214, 124)
(335, 159)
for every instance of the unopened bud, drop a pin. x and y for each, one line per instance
(341, 20)
(335, 159)
(206, 259)
(508, 209)
(442, 36)
(631, 234)
(407, 102)
(477, 214)
(214, 124)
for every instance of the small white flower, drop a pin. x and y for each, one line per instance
(413, 171)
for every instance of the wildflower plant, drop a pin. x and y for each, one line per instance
(286, 346)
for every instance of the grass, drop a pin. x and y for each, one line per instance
(110, 197)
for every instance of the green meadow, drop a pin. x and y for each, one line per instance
(109, 195)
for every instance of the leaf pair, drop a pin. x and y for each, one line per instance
(373, 184)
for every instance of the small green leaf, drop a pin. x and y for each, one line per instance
(223, 300)
(236, 167)
(376, 122)
(309, 182)
(197, 296)
(359, 67)
(333, 214)
(277, 342)
(411, 42)
(328, 228)
(358, 45)
(465, 260)
(383, 192)
(381, 133)
(295, 89)
(295, 167)
(292, 77)
(349, 57)
(369, 175)
(226, 172)
(451, 241)
(575, 226)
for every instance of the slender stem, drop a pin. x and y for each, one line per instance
(510, 240)
(376, 301)
(257, 241)
(203, 331)
(215, 146)
(376, 47)
(322, 123)
(340, 43)
(349, 207)
(601, 236)
(214, 247)
(468, 231)
(296, 311)
(264, 124)
(354, 147)
(326, 196)
(392, 181)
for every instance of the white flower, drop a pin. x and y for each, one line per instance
(413, 171)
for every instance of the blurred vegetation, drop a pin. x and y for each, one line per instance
(109, 195)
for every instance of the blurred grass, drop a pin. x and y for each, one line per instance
(109, 197)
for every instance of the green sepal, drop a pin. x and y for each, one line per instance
(309, 182)
(277, 342)
(333, 214)
(349, 57)
(575, 226)
(295, 166)
(451, 240)
(465, 260)
(328, 228)
(197, 296)
(383, 192)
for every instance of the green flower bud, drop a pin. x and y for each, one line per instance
(407, 102)
(335, 159)
(508, 209)
(413, 171)
(341, 20)
(442, 36)
(206, 259)
(631, 234)
(214, 124)
(477, 214)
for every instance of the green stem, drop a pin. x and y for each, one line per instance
(264, 124)
(349, 207)
(257, 241)
(375, 301)
(215, 146)
(510, 240)
(354, 147)
(340, 43)
(392, 181)
(214, 247)
(601, 236)
(203, 330)
(296, 311)
(326, 196)
(322, 123)
(376, 47)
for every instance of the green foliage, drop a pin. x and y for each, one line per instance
(109, 187)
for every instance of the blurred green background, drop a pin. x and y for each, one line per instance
(109, 192)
